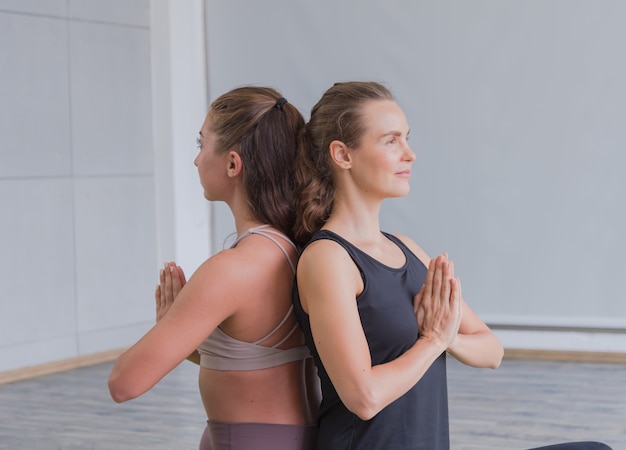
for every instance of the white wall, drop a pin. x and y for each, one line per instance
(517, 110)
(180, 103)
(102, 102)
(86, 185)
(76, 176)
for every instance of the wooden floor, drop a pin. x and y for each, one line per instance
(523, 404)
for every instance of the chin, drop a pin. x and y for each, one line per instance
(399, 193)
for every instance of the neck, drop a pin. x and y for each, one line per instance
(244, 219)
(357, 221)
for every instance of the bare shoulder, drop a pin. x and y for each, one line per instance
(261, 254)
(240, 266)
(327, 275)
(416, 249)
(324, 254)
(212, 282)
(219, 266)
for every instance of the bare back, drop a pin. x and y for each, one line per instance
(262, 284)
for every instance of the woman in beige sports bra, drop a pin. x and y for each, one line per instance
(234, 316)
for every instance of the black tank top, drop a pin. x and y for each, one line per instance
(418, 419)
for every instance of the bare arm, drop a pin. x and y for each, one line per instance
(207, 299)
(475, 344)
(328, 282)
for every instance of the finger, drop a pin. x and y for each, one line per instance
(163, 289)
(417, 300)
(428, 283)
(176, 283)
(181, 275)
(157, 296)
(438, 275)
(168, 284)
(460, 290)
(458, 305)
(446, 285)
(455, 298)
(454, 290)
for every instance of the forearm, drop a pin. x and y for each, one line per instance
(481, 349)
(388, 382)
(127, 379)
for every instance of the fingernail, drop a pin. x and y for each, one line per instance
(160, 272)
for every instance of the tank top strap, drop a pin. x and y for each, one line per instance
(277, 327)
(265, 231)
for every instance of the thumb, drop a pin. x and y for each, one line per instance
(417, 300)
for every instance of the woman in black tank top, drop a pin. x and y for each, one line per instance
(378, 314)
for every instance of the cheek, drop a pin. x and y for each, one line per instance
(202, 166)
(382, 162)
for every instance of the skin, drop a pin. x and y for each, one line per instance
(329, 281)
(245, 291)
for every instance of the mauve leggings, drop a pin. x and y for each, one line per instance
(257, 436)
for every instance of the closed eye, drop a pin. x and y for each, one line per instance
(198, 143)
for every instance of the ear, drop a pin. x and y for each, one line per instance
(340, 154)
(234, 165)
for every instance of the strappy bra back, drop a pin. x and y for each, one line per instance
(223, 352)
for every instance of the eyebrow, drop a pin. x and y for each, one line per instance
(200, 133)
(395, 133)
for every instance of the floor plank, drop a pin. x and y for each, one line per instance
(522, 404)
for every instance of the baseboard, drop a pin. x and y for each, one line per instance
(565, 355)
(25, 373)
(509, 353)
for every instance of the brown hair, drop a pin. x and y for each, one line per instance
(264, 128)
(336, 116)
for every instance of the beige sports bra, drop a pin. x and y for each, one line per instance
(222, 352)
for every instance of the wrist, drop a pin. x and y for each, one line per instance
(434, 342)
(454, 343)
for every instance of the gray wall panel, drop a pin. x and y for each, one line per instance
(517, 112)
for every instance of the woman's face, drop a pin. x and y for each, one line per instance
(381, 165)
(212, 165)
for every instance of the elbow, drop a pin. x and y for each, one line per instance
(363, 405)
(497, 359)
(494, 364)
(364, 413)
(493, 353)
(119, 391)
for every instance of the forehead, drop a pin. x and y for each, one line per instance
(207, 123)
(383, 116)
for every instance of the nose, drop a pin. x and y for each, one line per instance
(408, 153)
